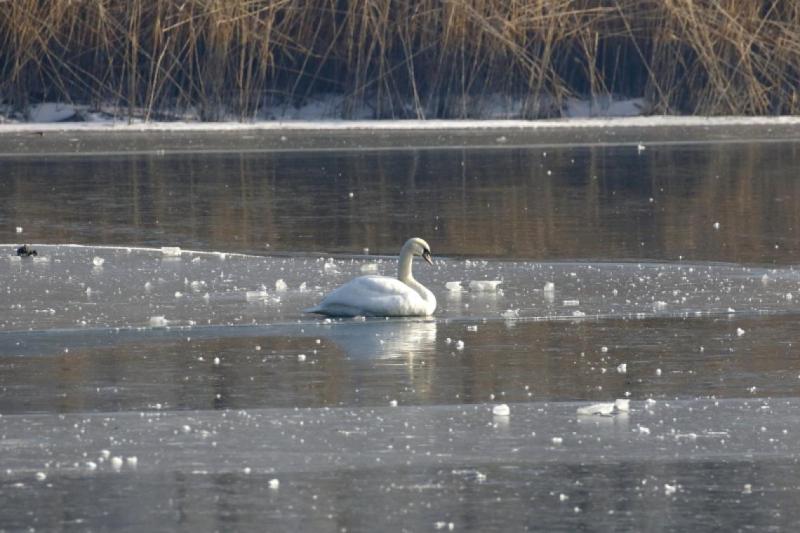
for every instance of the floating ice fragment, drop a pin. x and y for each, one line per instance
(330, 267)
(178, 294)
(216, 361)
(41, 476)
(171, 251)
(98, 261)
(510, 314)
(255, 295)
(501, 410)
(19, 229)
(605, 409)
(658, 371)
(640, 148)
(643, 430)
(301, 357)
(571, 303)
(716, 225)
(158, 321)
(604, 349)
(748, 489)
(116, 463)
(393, 403)
(91, 465)
(484, 285)
(789, 296)
(670, 489)
(453, 286)
(563, 497)
(132, 461)
(105, 454)
(549, 287)
(557, 440)
(578, 314)
(369, 267)
(739, 332)
(274, 483)
(472, 328)
(303, 287)
(622, 368)
(281, 286)
(459, 345)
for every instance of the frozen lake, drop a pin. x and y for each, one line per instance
(157, 371)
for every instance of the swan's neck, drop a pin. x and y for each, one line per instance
(404, 274)
(404, 267)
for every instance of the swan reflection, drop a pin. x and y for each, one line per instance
(383, 339)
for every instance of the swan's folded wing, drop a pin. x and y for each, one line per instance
(371, 296)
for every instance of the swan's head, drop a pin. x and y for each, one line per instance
(417, 246)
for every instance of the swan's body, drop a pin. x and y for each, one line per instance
(382, 295)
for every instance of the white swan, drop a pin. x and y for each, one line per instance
(382, 295)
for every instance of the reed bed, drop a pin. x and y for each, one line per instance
(400, 58)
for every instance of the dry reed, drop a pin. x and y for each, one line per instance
(402, 58)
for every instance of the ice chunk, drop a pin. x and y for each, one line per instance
(281, 286)
(472, 328)
(274, 483)
(369, 268)
(605, 409)
(453, 286)
(510, 314)
(501, 410)
(171, 251)
(557, 440)
(41, 476)
(116, 463)
(459, 345)
(158, 321)
(739, 332)
(622, 405)
(484, 285)
(98, 261)
(132, 461)
(622, 368)
(301, 357)
(549, 287)
(255, 295)
(716, 225)
(19, 229)
(571, 303)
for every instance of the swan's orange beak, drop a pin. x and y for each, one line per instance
(426, 255)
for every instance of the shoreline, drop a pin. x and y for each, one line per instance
(160, 138)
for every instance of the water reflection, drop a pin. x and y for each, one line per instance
(384, 339)
(579, 202)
